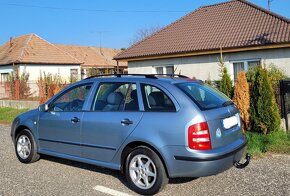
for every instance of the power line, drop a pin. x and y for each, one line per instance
(93, 10)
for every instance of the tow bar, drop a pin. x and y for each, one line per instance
(245, 164)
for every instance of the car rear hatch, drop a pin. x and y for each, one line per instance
(222, 116)
(224, 125)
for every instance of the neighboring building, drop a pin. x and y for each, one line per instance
(98, 60)
(34, 55)
(246, 34)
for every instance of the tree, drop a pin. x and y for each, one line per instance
(265, 116)
(242, 98)
(275, 75)
(143, 33)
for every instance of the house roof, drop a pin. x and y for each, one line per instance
(92, 56)
(228, 25)
(33, 49)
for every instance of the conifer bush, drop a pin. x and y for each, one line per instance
(226, 84)
(242, 99)
(265, 116)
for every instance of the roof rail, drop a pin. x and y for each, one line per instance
(152, 76)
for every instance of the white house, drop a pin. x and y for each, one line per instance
(33, 55)
(246, 34)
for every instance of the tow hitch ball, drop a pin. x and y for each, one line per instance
(239, 165)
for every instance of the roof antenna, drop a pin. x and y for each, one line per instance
(269, 4)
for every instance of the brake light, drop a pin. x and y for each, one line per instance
(199, 137)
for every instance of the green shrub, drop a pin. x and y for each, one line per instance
(226, 83)
(264, 112)
(208, 81)
(276, 74)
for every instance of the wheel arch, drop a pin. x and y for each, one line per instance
(130, 146)
(20, 128)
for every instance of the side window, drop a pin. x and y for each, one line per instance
(116, 97)
(72, 100)
(155, 99)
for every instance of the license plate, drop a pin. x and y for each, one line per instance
(230, 122)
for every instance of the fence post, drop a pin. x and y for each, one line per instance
(17, 89)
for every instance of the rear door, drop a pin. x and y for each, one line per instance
(114, 115)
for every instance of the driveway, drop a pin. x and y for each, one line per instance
(53, 176)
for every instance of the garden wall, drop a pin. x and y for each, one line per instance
(19, 104)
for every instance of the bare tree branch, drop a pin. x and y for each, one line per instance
(143, 33)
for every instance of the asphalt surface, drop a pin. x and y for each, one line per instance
(53, 176)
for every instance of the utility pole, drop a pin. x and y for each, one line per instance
(101, 33)
(100, 36)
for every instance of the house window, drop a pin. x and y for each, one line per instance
(159, 70)
(238, 67)
(244, 65)
(169, 69)
(252, 64)
(73, 75)
(4, 77)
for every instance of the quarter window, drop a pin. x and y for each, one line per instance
(72, 100)
(155, 99)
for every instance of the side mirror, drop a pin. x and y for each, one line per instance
(43, 108)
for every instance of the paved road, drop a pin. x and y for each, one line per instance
(53, 176)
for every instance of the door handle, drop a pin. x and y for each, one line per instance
(75, 120)
(126, 121)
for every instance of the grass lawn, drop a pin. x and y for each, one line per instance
(276, 142)
(7, 115)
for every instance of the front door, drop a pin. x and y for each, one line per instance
(59, 128)
(114, 115)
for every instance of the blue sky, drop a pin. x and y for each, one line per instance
(109, 23)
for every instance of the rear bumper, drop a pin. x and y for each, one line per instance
(212, 158)
(182, 162)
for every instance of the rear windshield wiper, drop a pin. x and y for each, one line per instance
(227, 103)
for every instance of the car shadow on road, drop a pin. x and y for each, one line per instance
(115, 173)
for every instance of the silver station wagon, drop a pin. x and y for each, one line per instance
(150, 127)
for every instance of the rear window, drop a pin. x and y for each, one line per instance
(203, 95)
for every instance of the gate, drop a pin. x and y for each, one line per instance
(285, 100)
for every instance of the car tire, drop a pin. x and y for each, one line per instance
(145, 171)
(25, 147)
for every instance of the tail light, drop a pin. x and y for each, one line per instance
(199, 137)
